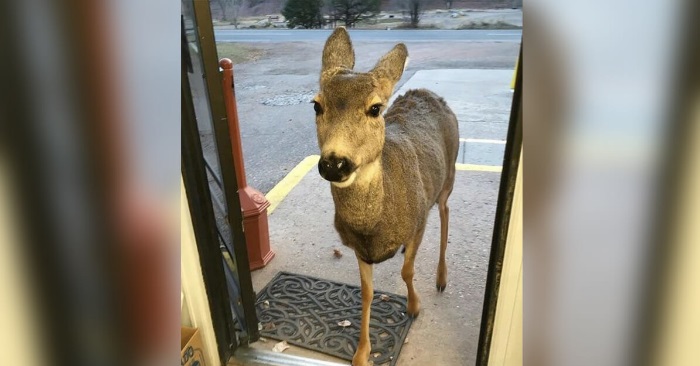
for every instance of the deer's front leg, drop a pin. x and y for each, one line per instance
(364, 347)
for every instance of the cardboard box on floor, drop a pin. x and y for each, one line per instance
(192, 352)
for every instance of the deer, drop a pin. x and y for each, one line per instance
(386, 167)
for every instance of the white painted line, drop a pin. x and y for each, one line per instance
(483, 141)
(503, 34)
(479, 168)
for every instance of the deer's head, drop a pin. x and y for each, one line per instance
(350, 107)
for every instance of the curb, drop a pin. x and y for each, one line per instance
(282, 189)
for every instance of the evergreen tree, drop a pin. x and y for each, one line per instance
(305, 13)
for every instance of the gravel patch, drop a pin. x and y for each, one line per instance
(289, 99)
(251, 87)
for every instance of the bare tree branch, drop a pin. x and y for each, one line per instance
(352, 11)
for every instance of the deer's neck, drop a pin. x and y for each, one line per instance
(361, 204)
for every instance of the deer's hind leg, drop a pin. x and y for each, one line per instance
(441, 282)
(407, 272)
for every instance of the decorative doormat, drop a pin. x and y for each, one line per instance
(314, 313)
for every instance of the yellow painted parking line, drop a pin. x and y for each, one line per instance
(479, 168)
(282, 189)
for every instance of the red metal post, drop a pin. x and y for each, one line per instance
(253, 203)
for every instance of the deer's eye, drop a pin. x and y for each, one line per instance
(374, 110)
(317, 108)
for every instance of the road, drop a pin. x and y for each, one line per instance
(320, 35)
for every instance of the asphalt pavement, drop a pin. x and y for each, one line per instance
(481, 100)
(320, 35)
(277, 123)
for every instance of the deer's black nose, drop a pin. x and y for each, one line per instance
(335, 169)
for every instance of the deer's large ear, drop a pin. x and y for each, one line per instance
(337, 53)
(390, 67)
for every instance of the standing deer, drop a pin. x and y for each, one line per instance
(386, 172)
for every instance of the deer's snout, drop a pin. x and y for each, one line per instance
(334, 168)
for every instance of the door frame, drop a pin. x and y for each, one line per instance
(504, 211)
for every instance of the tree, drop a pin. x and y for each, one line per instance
(352, 11)
(234, 5)
(415, 9)
(223, 5)
(305, 13)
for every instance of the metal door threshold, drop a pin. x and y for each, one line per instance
(248, 356)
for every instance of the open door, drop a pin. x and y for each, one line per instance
(209, 178)
(500, 338)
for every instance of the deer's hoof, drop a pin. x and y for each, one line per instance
(440, 288)
(360, 359)
(413, 311)
(361, 356)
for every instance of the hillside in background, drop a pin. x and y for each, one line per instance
(267, 7)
